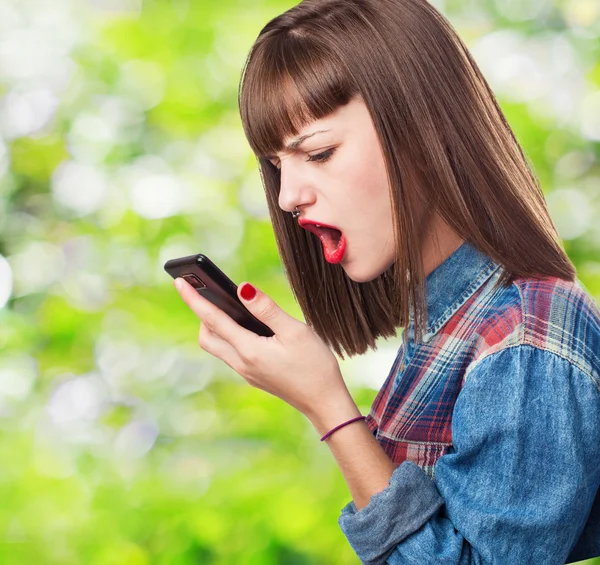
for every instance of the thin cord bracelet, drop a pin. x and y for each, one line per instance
(341, 426)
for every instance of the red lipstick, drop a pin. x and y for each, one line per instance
(332, 238)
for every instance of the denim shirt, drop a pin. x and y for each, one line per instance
(493, 421)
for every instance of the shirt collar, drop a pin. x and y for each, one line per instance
(451, 284)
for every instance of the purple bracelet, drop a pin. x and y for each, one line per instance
(341, 426)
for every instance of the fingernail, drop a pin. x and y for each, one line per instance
(248, 292)
(178, 284)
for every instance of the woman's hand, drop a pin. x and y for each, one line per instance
(295, 364)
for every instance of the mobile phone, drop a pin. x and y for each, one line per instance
(214, 285)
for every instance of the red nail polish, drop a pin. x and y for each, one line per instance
(248, 292)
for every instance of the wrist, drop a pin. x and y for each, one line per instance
(330, 416)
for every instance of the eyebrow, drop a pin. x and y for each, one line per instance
(294, 144)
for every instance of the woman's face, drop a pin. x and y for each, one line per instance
(337, 177)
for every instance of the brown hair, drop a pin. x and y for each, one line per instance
(446, 143)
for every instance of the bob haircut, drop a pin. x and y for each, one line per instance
(446, 144)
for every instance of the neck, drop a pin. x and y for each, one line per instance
(439, 243)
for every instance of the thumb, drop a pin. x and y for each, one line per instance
(263, 307)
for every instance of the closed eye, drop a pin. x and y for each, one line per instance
(323, 156)
(318, 158)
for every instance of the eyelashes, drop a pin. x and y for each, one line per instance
(318, 158)
(323, 156)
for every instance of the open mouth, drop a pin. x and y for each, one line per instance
(333, 240)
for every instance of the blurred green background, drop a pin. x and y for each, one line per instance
(122, 442)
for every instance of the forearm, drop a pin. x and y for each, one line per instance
(366, 468)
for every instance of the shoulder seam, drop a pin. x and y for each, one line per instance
(522, 324)
(572, 362)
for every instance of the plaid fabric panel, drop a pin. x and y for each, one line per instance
(414, 421)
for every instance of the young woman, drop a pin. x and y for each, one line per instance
(400, 198)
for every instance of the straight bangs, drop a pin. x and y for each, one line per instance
(289, 81)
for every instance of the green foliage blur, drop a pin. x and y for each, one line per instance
(121, 147)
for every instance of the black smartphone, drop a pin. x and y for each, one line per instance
(214, 285)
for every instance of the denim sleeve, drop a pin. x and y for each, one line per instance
(518, 483)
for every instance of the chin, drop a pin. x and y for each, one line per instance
(362, 273)
(362, 277)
